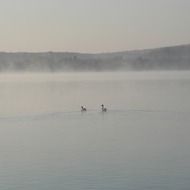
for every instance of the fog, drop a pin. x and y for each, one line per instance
(167, 58)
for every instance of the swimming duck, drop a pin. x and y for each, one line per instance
(83, 108)
(103, 108)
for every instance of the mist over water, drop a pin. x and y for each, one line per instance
(166, 58)
(141, 143)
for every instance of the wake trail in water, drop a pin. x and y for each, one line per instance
(41, 116)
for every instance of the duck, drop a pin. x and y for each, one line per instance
(103, 108)
(83, 108)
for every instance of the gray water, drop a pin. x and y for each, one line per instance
(141, 143)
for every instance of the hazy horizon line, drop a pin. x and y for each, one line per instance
(95, 53)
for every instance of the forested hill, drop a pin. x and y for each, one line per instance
(167, 58)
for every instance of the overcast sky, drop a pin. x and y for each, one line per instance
(92, 25)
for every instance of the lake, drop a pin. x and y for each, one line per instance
(142, 142)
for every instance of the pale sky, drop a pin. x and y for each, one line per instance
(92, 25)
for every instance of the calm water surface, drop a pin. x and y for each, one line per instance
(141, 143)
